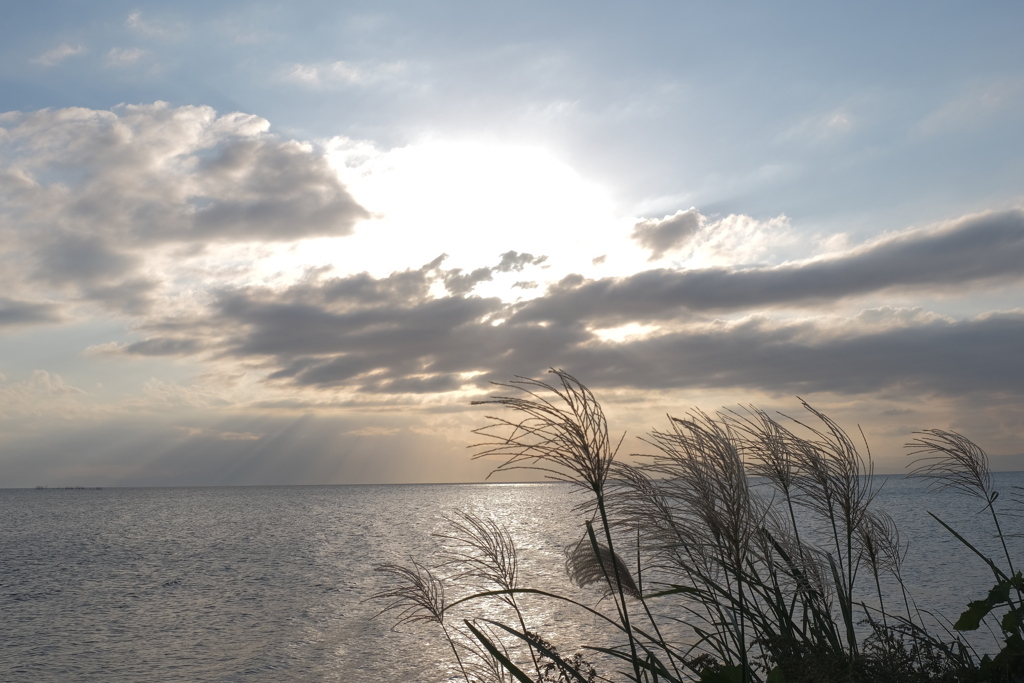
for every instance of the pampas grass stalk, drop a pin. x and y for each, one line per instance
(483, 551)
(417, 595)
(734, 559)
(562, 432)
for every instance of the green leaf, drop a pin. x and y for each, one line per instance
(776, 676)
(1011, 621)
(498, 654)
(1009, 658)
(542, 648)
(992, 565)
(689, 590)
(999, 594)
(730, 673)
(979, 609)
(971, 619)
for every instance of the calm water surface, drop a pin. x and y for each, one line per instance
(268, 584)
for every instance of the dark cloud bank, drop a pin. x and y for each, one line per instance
(989, 247)
(14, 312)
(389, 335)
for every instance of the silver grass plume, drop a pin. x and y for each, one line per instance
(952, 461)
(481, 549)
(417, 595)
(701, 471)
(561, 431)
(955, 462)
(586, 567)
(880, 540)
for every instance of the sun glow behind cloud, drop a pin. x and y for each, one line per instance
(473, 201)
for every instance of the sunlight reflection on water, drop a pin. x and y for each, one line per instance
(269, 584)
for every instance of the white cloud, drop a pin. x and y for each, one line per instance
(219, 435)
(697, 241)
(106, 349)
(819, 128)
(741, 240)
(626, 333)
(125, 56)
(43, 393)
(162, 29)
(102, 199)
(44, 382)
(373, 431)
(888, 317)
(974, 105)
(160, 394)
(344, 73)
(59, 54)
(305, 74)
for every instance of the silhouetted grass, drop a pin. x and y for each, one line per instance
(775, 580)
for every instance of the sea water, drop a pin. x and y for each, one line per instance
(271, 583)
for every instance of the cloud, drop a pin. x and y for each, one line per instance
(982, 248)
(700, 241)
(91, 267)
(449, 344)
(937, 357)
(373, 431)
(737, 240)
(974, 105)
(81, 258)
(132, 296)
(391, 336)
(321, 347)
(125, 56)
(668, 233)
(219, 435)
(153, 174)
(378, 335)
(512, 261)
(93, 194)
(344, 73)
(42, 392)
(163, 30)
(58, 54)
(162, 396)
(47, 383)
(819, 128)
(163, 346)
(272, 190)
(459, 283)
(15, 312)
(160, 213)
(890, 317)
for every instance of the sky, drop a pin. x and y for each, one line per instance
(252, 243)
